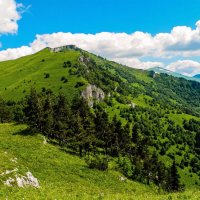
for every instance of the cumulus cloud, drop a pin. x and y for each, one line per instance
(105, 44)
(9, 15)
(186, 67)
(15, 53)
(128, 49)
(136, 63)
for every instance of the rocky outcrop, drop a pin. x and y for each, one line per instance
(84, 59)
(22, 181)
(133, 105)
(9, 182)
(64, 48)
(28, 180)
(93, 93)
(13, 177)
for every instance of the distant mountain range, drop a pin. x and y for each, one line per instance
(165, 71)
(197, 76)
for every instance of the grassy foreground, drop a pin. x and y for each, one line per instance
(64, 176)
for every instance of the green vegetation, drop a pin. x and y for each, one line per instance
(147, 127)
(65, 176)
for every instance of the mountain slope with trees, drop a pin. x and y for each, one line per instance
(147, 123)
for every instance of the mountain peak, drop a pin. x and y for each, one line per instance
(64, 48)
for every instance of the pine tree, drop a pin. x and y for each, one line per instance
(125, 138)
(83, 128)
(174, 183)
(102, 129)
(62, 119)
(78, 133)
(5, 114)
(48, 116)
(34, 110)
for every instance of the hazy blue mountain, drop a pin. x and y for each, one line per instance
(197, 76)
(165, 71)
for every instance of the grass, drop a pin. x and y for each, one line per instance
(179, 118)
(62, 175)
(17, 76)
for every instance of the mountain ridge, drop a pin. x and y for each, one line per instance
(158, 111)
(171, 73)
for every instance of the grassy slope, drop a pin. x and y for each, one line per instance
(64, 176)
(17, 76)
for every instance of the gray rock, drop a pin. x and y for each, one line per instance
(92, 93)
(133, 105)
(9, 182)
(63, 48)
(28, 180)
(123, 179)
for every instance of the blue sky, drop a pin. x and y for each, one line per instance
(94, 16)
(152, 17)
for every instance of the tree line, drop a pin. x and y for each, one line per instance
(91, 133)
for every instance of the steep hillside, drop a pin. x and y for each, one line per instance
(41, 70)
(147, 119)
(62, 175)
(61, 69)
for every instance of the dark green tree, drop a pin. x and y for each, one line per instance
(62, 115)
(34, 110)
(5, 115)
(174, 183)
(47, 127)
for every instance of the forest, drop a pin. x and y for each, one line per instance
(90, 134)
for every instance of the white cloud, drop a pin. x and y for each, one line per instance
(10, 54)
(9, 15)
(136, 63)
(128, 49)
(186, 67)
(106, 44)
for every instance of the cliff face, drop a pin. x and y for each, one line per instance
(93, 93)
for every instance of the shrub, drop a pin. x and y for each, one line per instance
(126, 166)
(46, 75)
(64, 79)
(67, 64)
(97, 162)
(79, 84)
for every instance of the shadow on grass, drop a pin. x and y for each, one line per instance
(26, 132)
(63, 148)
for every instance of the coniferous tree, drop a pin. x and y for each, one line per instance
(61, 117)
(78, 133)
(5, 114)
(125, 138)
(174, 183)
(102, 129)
(47, 127)
(34, 111)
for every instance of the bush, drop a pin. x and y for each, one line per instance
(97, 162)
(67, 64)
(46, 75)
(79, 84)
(126, 166)
(64, 79)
